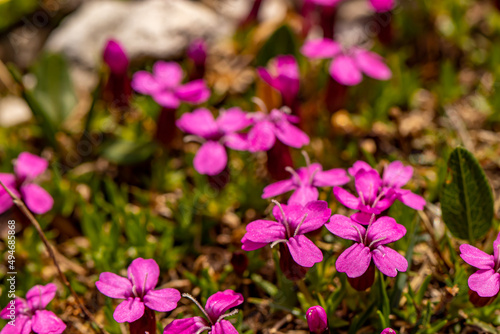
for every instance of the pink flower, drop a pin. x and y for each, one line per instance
(317, 320)
(347, 66)
(371, 199)
(197, 51)
(215, 313)
(293, 221)
(137, 291)
(379, 6)
(164, 85)
(115, 57)
(485, 281)
(283, 76)
(277, 124)
(395, 176)
(388, 331)
(304, 181)
(369, 244)
(30, 313)
(211, 158)
(27, 168)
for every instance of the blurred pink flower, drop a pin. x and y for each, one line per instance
(317, 320)
(137, 291)
(276, 124)
(164, 85)
(347, 66)
(283, 75)
(197, 51)
(115, 57)
(27, 168)
(211, 158)
(485, 281)
(388, 331)
(215, 313)
(304, 182)
(30, 313)
(377, 5)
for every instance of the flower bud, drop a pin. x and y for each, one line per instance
(115, 57)
(388, 331)
(317, 320)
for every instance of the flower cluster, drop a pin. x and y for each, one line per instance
(30, 314)
(27, 168)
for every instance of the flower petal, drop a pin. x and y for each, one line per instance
(223, 327)
(220, 302)
(266, 77)
(114, 286)
(39, 296)
(22, 325)
(367, 185)
(162, 300)
(412, 200)
(388, 261)
(291, 135)
(261, 136)
(303, 195)
(317, 213)
(46, 322)
(9, 180)
(129, 310)
(396, 174)
(168, 74)
(37, 199)
(29, 166)
(304, 251)
(372, 65)
(486, 282)
(354, 261)
(345, 228)
(194, 92)
(200, 122)
(248, 245)
(362, 217)
(278, 188)
(265, 231)
(344, 70)
(143, 274)
(144, 83)
(320, 48)
(20, 306)
(346, 198)
(236, 141)
(166, 99)
(330, 178)
(476, 258)
(385, 230)
(359, 166)
(185, 326)
(232, 120)
(211, 158)
(496, 247)
(382, 6)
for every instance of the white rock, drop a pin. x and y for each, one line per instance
(13, 111)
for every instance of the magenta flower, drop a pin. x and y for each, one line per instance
(211, 158)
(293, 222)
(29, 315)
(369, 244)
(371, 200)
(486, 281)
(347, 66)
(215, 313)
(304, 181)
(317, 320)
(164, 86)
(276, 124)
(115, 57)
(381, 6)
(283, 76)
(137, 291)
(197, 51)
(388, 331)
(27, 168)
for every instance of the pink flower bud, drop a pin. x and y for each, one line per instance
(115, 57)
(317, 320)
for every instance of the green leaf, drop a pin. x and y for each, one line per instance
(466, 199)
(282, 41)
(54, 89)
(125, 152)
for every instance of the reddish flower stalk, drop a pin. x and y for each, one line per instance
(145, 324)
(165, 127)
(336, 95)
(117, 90)
(278, 159)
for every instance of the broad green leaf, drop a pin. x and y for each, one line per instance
(282, 41)
(124, 152)
(54, 89)
(466, 199)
